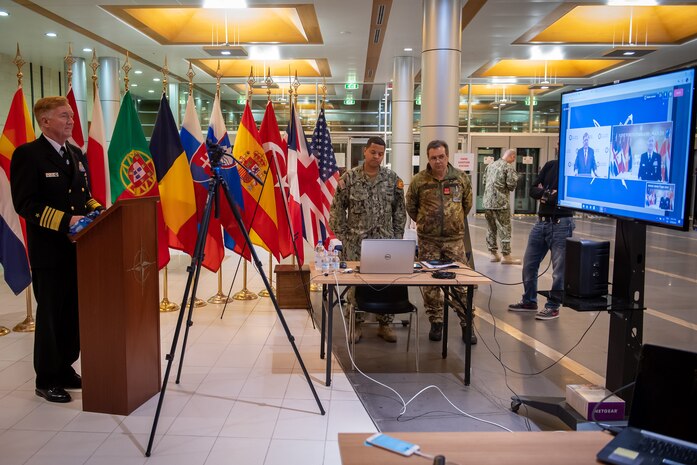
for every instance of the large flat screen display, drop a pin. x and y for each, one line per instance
(625, 149)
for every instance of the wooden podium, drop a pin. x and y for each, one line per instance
(118, 291)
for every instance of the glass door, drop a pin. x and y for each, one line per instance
(485, 157)
(527, 161)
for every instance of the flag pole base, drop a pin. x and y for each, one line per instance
(26, 326)
(168, 306)
(245, 294)
(198, 302)
(219, 298)
(265, 293)
(314, 287)
(4, 331)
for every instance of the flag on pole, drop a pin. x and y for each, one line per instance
(175, 182)
(200, 167)
(304, 181)
(97, 165)
(217, 133)
(321, 148)
(287, 213)
(259, 199)
(13, 251)
(77, 138)
(131, 168)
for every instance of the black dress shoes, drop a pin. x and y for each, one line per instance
(436, 332)
(473, 341)
(54, 394)
(73, 382)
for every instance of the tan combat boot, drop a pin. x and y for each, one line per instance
(495, 257)
(386, 332)
(508, 260)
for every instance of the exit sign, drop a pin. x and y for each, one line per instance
(351, 86)
(349, 101)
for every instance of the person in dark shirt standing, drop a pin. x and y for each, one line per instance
(50, 191)
(549, 233)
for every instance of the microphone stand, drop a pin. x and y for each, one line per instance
(216, 181)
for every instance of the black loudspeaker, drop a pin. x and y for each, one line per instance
(586, 271)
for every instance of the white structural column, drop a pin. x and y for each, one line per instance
(109, 93)
(403, 117)
(79, 82)
(440, 73)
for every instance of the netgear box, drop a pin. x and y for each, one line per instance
(584, 397)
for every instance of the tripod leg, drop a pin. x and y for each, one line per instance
(194, 271)
(272, 296)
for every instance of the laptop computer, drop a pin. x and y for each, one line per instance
(393, 256)
(662, 425)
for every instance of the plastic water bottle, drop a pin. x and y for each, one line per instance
(326, 263)
(319, 255)
(335, 260)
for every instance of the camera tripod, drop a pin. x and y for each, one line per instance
(216, 183)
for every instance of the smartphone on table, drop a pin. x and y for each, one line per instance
(392, 444)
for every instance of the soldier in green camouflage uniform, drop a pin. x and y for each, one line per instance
(438, 200)
(500, 180)
(368, 204)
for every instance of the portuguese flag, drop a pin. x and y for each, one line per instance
(132, 170)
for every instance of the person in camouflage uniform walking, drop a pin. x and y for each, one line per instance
(438, 200)
(500, 180)
(368, 204)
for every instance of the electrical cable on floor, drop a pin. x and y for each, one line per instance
(401, 399)
(603, 426)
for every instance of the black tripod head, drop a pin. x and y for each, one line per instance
(215, 153)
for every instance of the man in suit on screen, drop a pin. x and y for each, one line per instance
(585, 159)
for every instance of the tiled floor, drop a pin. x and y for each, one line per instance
(243, 398)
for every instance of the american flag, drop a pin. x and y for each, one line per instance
(321, 148)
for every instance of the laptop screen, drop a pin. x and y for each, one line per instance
(665, 394)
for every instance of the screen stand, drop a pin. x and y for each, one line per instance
(626, 307)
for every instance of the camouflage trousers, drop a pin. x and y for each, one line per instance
(498, 223)
(433, 295)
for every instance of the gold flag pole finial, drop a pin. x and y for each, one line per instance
(165, 73)
(94, 64)
(126, 68)
(269, 82)
(250, 84)
(218, 75)
(70, 61)
(19, 62)
(190, 74)
(296, 85)
(324, 91)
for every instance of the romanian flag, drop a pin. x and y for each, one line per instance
(200, 167)
(217, 134)
(77, 138)
(132, 169)
(96, 157)
(13, 252)
(175, 181)
(287, 214)
(259, 199)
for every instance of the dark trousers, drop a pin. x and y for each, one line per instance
(57, 334)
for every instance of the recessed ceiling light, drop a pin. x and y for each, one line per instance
(87, 49)
(138, 71)
(227, 4)
(628, 53)
(408, 49)
(4, 13)
(156, 79)
(134, 84)
(151, 91)
(51, 34)
(225, 52)
(632, 2)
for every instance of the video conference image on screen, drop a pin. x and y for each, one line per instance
(625, 149)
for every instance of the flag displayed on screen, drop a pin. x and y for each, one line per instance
(175, 182)
(132, 170)
(13, 253)
(287, 212)
(200, 167)
(217, 133)
(77, 138)
(259, 199)
(97, 165)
